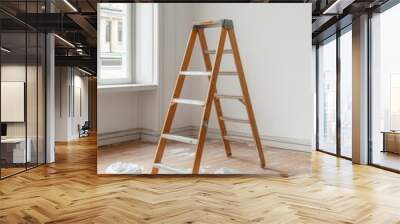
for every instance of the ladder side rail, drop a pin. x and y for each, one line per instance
(209, 100)
(173, 106)
(246, 96)
(217, 103)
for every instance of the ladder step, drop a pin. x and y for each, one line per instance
(179, 138)
(231, 97)
(171, 168)
(200, 73)
(195, 73)
(237, 120)
(188, 101)
(228, 73)
(238, 138)
(227, 51)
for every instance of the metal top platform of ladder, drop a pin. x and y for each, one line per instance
(225, 23)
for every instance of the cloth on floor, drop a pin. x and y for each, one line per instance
(183, 152)
(124, 168)
(226, 170)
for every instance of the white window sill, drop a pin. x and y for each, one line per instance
(127, 87)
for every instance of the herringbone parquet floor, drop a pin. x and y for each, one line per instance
(70, 191)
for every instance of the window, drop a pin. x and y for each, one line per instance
(127, 35)
(385, 89)
(394, 102)
(334, 133)
(115, 59)
(346, 75)
(327, 96)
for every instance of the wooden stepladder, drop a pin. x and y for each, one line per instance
(212, 72)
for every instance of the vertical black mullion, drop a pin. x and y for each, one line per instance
(317, 96)
(45, 94)
(37, 89)
(338, 91)
(44, 83)
(26, 85)
(73, 91)
(45, 89)
(369, 91)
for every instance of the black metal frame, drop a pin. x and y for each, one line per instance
(44, 80)
(337, 36)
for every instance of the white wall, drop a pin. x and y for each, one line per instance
(66, 121)
(81, 114)
(275, 46)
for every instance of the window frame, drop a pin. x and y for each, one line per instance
(134, 84)
(334, 37)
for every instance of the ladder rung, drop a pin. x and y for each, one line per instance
(228, 73)
(179, 138)
(232, 97)
(227, 51)
(225, 23)
(200, 73)
(171, 168)
(238, 138)
(188, 101)
(195, 73)
(237, 120)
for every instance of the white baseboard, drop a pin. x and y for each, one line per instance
(303, 145)
(117, 137)
(103, 139)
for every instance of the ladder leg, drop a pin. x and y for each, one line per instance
(222, 127)
(217, 103)
(172, 107)
(210, 99)
(246, 96)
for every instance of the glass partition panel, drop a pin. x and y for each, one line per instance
(14, 153)
(327, 96)
(346, 94)
(385, 89)
(22, 67)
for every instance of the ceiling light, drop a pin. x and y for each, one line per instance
(84, 71)
(65, 41)
(5, 50)
(70, 5)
